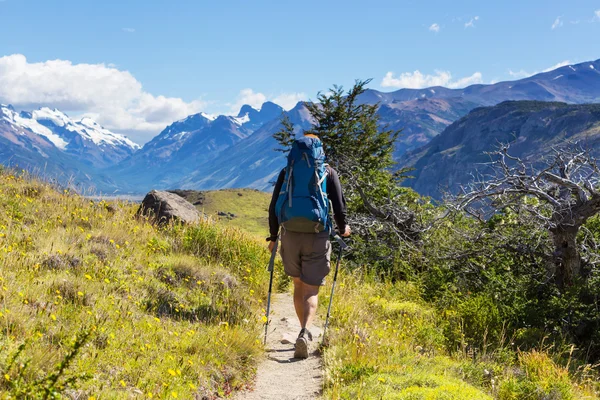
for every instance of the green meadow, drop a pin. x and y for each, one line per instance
(98, 304)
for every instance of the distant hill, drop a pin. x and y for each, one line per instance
(246, 209)
(458, 154)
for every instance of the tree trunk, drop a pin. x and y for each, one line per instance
(566, 255)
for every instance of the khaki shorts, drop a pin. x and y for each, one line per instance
(306, 256)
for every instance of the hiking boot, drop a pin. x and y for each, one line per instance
(301, 348)
(305, 333)
(302, 343)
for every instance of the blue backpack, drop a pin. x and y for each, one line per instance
(302, 205)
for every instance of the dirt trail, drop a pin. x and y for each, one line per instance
(281, 376)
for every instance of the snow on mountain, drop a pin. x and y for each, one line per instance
(102, 136)
(86, 127)
(241, 120)
(209, 117)
(25, 143)
(8, 114)
(85, 139)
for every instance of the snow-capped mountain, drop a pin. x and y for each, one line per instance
(253, 119)
(84, 139)
(251, 162)
(30, 144)
(186, 144)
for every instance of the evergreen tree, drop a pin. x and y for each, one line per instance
(361, 150)
(285, 136)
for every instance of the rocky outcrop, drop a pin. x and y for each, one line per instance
(164, 207)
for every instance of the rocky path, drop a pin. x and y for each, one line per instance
(281, 376)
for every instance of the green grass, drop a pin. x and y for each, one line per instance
(249, 206)
(95, 303)
(386, 342)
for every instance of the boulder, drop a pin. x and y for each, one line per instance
(165, 207)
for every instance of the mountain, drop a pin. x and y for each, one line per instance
(85, 140)
(251, 163)
(578, 83)
(422, 114)
(28, 143)
(421, 119)
(458, 154)
(186, 145)
(257, 118)
(208, 152)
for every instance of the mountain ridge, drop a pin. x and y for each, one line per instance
(533, 128)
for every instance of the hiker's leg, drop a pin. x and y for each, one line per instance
(299, 298)
(292, 265)
(315, 267)
(310, 299)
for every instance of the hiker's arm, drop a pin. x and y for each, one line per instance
(273, 223)
(338, 201)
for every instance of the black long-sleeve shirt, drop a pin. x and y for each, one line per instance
(334, 193)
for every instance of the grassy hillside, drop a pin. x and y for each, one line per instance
(245, 208)
(95, 303)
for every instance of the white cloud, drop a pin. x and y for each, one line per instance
(557, 65)
(597, 14)
(467, 81)
(519, 74)
(471, 23)
(248, 96)
(524, 74)
(289, 100)
(557, 23)
(129, 30)
(111, 96)
(434, 28)
(416, 80)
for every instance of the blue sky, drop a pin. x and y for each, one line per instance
(136, 65)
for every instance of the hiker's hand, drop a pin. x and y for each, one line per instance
(271, 246)
(347, 232)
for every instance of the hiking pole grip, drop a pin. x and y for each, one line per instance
(341, 242)
(270, 269)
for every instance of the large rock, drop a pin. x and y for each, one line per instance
(165, 207)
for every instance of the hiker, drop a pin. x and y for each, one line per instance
(300, 205)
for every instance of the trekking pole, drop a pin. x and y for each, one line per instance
(270, 269)
(343, 246)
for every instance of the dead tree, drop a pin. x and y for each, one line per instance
(562, 196)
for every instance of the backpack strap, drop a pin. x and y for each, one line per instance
(289, 182)
(320, 182)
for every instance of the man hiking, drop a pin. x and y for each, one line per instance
(300, 206)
